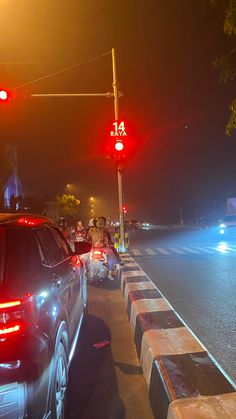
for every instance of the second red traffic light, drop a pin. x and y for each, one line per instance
(4, 95)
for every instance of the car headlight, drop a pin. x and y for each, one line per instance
(222, 225)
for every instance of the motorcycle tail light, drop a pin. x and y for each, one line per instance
(97, 252)
(15, 315)
(98, 255)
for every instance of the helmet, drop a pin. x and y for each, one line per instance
(91, 222)
(100, 222)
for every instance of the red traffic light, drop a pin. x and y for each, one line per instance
(125, 209)
(119, 146)
(4, 95)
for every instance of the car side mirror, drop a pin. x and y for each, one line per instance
(82, 247)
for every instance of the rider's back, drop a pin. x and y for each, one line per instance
(98, 236)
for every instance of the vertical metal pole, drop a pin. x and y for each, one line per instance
(180, 216)
(122, 247)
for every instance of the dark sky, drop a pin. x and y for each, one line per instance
(172, 98)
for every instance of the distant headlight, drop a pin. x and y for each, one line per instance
(222, 225)
(222, 231)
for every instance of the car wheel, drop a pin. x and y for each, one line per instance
(59, 383)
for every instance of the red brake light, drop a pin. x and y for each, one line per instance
(30, 221)
(15, 315)
(8, 330)
(9, 304)
(4, 95)
(75, 261)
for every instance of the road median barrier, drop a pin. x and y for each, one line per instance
(183, 379)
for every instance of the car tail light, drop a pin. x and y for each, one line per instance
(97, 252)
(97, 255)
(16, 315)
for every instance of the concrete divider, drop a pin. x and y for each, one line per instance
(183, 379)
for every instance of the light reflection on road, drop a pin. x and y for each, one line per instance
(222, 247)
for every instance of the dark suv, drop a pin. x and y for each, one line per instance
(43, 300)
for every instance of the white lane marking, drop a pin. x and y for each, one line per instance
(162, 251)
(136, 252)
(150, 251)
(178, 251)
(222, 249)
(188, 249)
(231, 248)
(203, 249)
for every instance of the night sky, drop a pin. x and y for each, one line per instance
(172, 98)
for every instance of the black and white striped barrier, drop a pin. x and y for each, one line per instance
(183, 379)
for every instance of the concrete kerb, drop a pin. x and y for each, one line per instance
(184, 381)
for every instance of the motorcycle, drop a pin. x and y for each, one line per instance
(98, 266)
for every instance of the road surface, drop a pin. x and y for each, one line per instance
(196, 272)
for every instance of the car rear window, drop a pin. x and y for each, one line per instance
(22, 260)
(53, 252)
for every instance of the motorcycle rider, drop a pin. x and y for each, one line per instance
(99, 236)
(79, 226)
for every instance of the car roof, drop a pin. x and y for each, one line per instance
(24, 219)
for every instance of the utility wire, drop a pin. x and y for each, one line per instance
(63, 70)
(16, 63)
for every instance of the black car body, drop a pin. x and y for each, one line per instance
(43, 300)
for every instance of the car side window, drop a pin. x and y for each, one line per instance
(61, 242)
(53, 253)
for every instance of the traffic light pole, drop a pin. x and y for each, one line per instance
(116, 94)
(122, 247)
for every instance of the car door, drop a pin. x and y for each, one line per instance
(62, 274)
(77, 267)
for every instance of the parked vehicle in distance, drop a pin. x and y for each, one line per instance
(132, 224)
(43, 301)
(228, 225)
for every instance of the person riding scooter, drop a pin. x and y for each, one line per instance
(99, 236)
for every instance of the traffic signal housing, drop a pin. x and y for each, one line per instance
(125, 208)
(121, 142)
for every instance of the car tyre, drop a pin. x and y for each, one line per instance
(59, 383)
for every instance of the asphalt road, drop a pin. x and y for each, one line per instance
(196, 272)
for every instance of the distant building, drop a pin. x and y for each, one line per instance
(13, 186)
